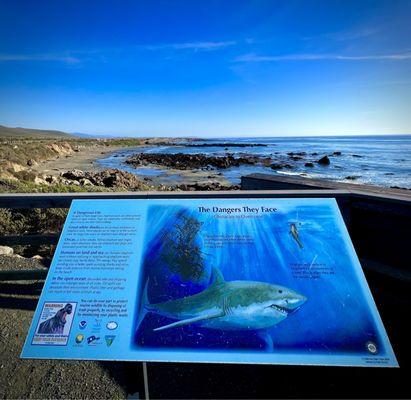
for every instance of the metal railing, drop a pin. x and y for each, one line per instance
(349, 201)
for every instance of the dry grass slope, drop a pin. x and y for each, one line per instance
(7, 132)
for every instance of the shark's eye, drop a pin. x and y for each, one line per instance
(280, 291)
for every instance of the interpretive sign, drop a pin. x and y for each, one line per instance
(272, 281)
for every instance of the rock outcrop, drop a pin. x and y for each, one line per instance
(324, 161)
(206, 186)
(109, 178)
(276, 166)
(6, 251)
(189, 161)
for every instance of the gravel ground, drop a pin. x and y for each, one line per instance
(16, 263)
(47, 379)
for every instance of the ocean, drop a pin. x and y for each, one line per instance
(377, 160)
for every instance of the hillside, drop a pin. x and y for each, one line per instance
(25, 133)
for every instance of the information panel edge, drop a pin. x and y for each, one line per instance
(217, 357)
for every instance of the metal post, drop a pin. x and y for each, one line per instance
(145, 378)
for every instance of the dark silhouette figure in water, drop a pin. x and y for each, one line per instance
(180, 251)
(295, 235)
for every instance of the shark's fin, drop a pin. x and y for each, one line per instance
(190, 321)
(144, 305)
(218, 278)
(267, 339)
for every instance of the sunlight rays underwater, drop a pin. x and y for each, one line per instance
(336, 316)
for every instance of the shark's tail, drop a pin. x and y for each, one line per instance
(144, 306)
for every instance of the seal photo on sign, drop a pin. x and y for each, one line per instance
(55, 325)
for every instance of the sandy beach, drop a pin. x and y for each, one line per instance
(85, 160)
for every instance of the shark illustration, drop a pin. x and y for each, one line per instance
(235, 305)
(294, 234)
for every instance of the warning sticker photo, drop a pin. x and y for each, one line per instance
(54, 324)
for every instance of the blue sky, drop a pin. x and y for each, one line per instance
(207, 68)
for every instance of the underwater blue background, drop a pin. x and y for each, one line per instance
(331, 328)
(336, 317)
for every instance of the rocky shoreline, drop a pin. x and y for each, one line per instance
(109, 178)
(182, 161)
(50, 166)
(116, 180)
(188, 161)
(190, 167)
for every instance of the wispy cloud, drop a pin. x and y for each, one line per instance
(354, 34)
(78, 56)
(39, 57)
(195, 46)
(318, 57)
(342, 36)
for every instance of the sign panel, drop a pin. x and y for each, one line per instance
(270, 281)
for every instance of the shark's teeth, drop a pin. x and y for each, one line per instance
(279, 309)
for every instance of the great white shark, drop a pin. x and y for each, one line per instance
(233, 305)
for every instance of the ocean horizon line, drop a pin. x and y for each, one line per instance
(334, 136)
